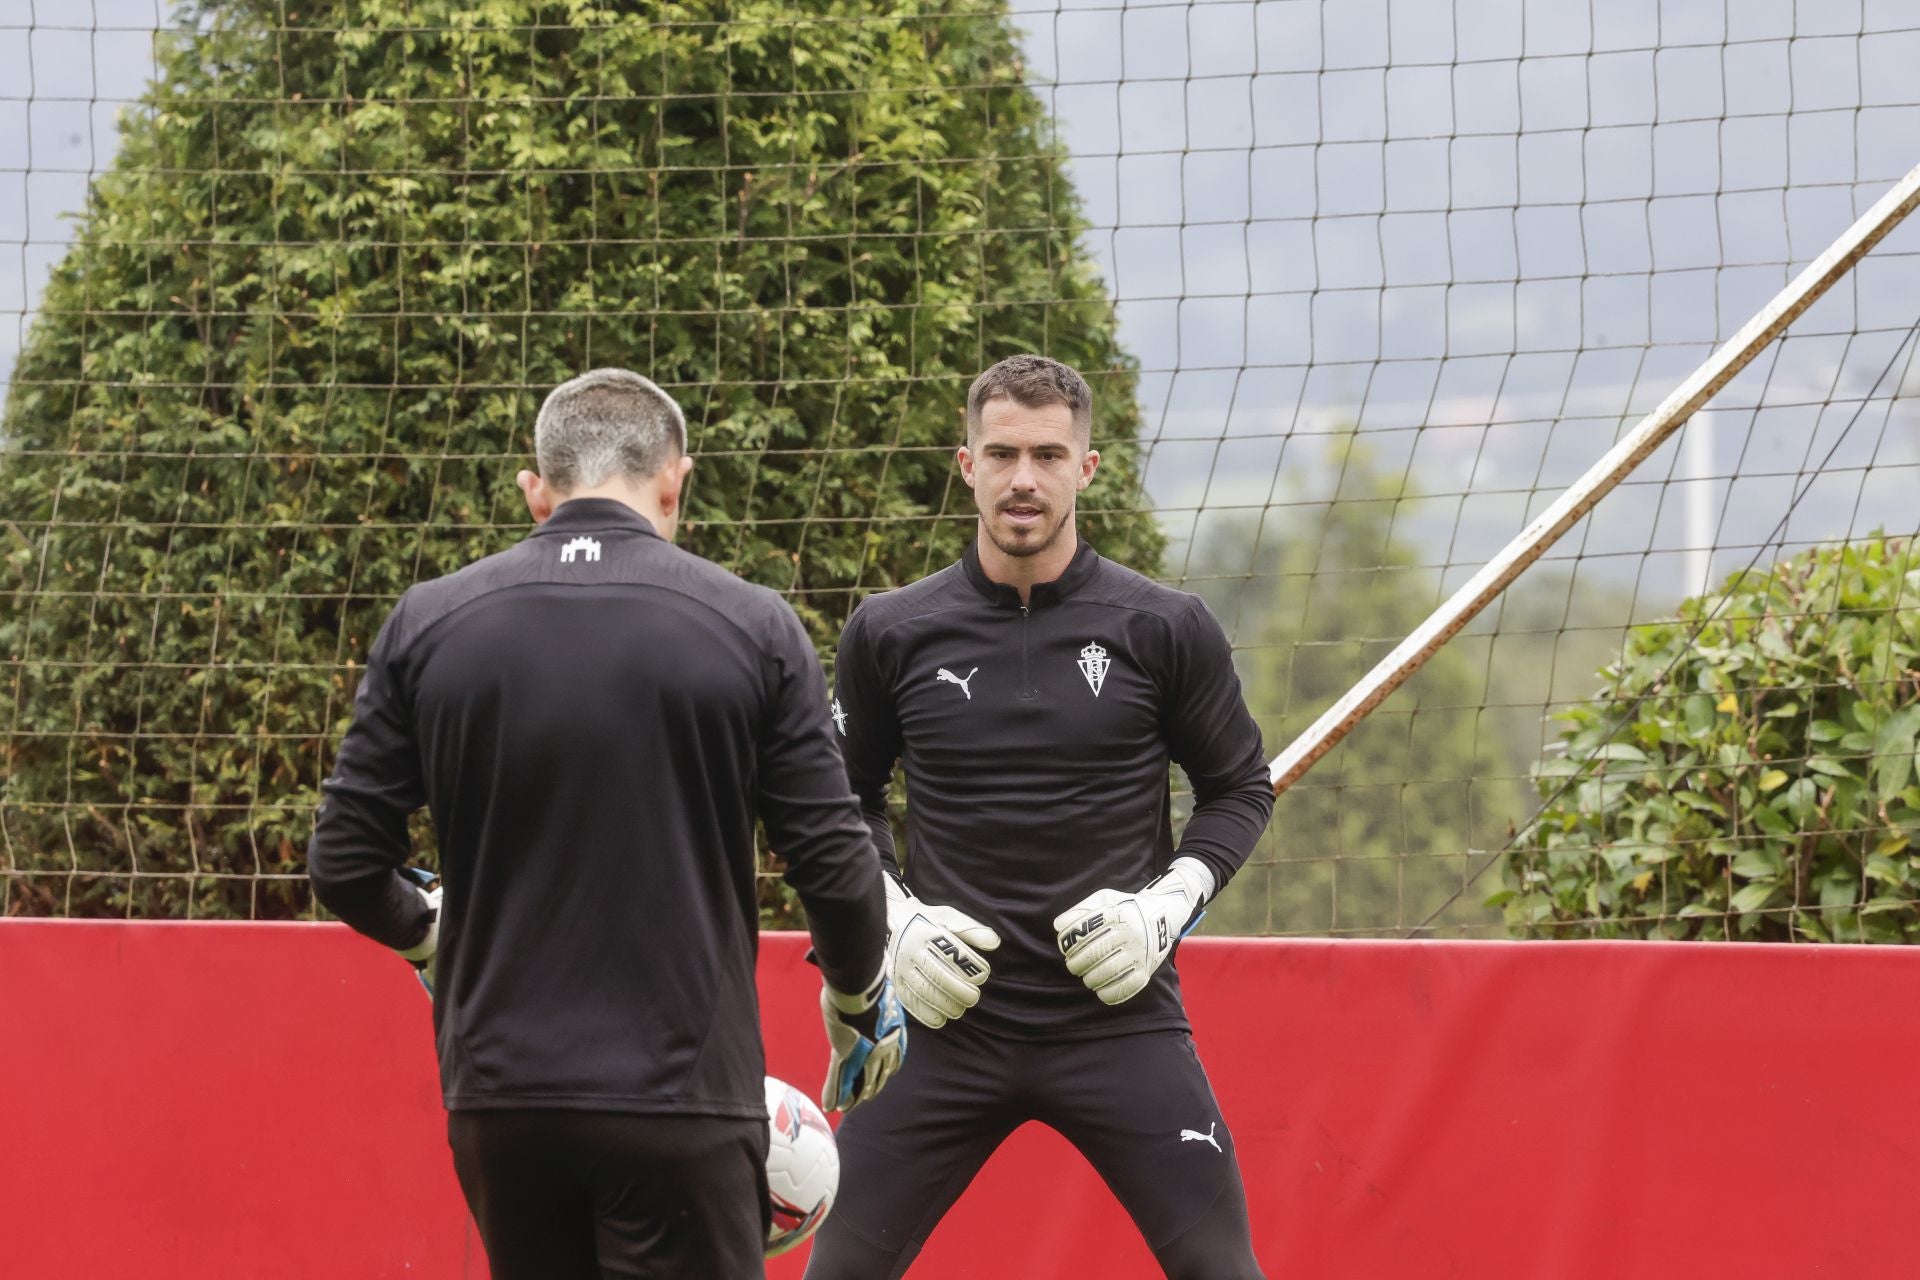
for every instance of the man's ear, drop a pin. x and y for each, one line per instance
(1089, 463)
(539, 496)
(673, 482)
(964, 456)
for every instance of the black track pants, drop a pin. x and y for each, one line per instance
(1137, 1106)
(560, 1195)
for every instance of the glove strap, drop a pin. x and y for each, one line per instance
(1194, 878)
(861, 1002)
(901, 907)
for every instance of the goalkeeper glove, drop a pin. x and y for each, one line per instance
(933, 956)
(868, 1036)
(1114, 941)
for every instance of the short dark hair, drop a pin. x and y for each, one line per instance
(606, 423)
(1033, 381)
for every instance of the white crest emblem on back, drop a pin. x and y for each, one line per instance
(947, 677)
(1093, 665)
(589, 545)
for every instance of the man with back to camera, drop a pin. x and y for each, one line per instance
(594, 718)
(1034, 693)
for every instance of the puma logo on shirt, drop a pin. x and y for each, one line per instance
(947, 677)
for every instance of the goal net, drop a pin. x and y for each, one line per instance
(1362, 287)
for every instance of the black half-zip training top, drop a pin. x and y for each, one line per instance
(1035, 741)
(594, 718)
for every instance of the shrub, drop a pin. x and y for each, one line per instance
(292, 360)
(1747, 770)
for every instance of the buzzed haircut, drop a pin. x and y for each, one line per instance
(606, 423)
(1035, 382)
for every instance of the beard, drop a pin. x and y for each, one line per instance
(1026, 542)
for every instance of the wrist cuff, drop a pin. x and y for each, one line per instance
(860, 1003)
(1197, 879)
(899, 902)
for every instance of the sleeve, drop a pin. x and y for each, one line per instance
(869, 733)
(360, 835)
(811, 818)
(1212, 736)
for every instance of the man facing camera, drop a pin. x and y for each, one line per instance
(1035, 695)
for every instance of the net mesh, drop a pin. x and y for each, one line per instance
(1370, 282)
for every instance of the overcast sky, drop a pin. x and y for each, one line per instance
(1489, 232)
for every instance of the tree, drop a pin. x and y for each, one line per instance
(1384, 829)
(292, 361)
(1746, 769)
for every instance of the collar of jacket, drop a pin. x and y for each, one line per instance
(578, 514)
(1079, 570)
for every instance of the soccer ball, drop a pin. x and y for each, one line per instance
(803, 1166)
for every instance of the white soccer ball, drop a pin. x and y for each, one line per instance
(803, 1166)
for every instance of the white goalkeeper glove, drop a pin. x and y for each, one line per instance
(933, 955)
(1114, 941)
(868, 1036)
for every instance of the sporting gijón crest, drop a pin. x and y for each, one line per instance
(1093, 665)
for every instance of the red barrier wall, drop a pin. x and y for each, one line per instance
(226, 1101)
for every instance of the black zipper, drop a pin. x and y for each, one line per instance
(1026, 677)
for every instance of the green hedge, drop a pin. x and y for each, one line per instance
(292, 360)
(1747, 770)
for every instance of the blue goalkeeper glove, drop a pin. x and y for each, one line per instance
(1114, 941)
(868, 1036)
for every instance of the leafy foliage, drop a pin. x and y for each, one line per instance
(292, 360)
(1747, 770)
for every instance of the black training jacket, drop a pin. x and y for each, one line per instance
(594, 719)
(1035, 742)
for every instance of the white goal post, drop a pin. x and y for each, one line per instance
(1532, 542)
